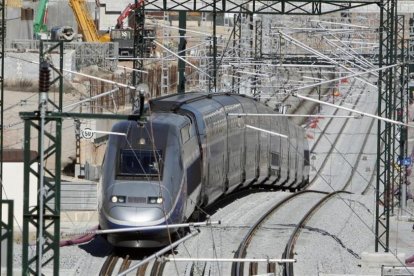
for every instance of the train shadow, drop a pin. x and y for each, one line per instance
(135, 253)
(98, 247)
(225, 200)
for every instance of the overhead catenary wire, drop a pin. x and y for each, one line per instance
(237, 260)
(186, 61)
(343, 78)
(82, 74)
(355, 111)
(319, 54)
(267, 131)
(293, 115)
(143, 228)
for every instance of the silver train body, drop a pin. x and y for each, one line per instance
(190, 152)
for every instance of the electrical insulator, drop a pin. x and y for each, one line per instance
(44, 77)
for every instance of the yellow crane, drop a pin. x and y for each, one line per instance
(85, 22)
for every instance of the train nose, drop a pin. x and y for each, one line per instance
(137, 216)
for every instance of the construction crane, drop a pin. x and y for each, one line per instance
(39, 23)
(125, 13)
(85, 22)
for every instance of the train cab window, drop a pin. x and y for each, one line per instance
(275, 161)
(306, 161)
(185, 133)
(139, 163)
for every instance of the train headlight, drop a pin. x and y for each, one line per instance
(119, 199)
(155, 200)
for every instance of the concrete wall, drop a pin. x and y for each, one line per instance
(13, 189)
(17, 28)
(109, 12)
(19, 69)
(59, 14)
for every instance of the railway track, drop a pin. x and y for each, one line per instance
(115, 265)
(238, 268)
(333, 147)
(109, 265)
(334, 143)
(290, 246)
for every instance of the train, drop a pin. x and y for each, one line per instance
(188, 152)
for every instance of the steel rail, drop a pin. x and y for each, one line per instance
(290, 246)
(125, 264)
(158, 267)
(336, 138)
(371, 125)
(238, 268)
(141, 271)
(109, 265)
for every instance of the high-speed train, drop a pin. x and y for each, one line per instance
(189, 152)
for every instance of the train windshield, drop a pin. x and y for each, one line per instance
(140, 163)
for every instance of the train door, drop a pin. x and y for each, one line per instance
(284, 152)
(250, 158)
(275, 151)
(292, 155)
(216, 147)
(306, 161)
(199, 129)
(235, 141)
(299, 158)
(264, 145)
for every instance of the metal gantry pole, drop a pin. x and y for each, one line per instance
(45, 215)
(401, 92)
(257, 56)
(385, 140)
(8, 235)
(165, 69)
(393, 111)
(182, 19)
(235, 84)
(44, 84)
(139, 50)
(214, 74)
(3, 224)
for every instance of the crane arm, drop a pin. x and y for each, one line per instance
(126, 12)
(85, 21)
(39, 24)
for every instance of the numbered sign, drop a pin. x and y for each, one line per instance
(87, 133)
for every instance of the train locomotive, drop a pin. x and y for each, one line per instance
(189, 152)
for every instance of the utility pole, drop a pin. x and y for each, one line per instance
(139, 50)
(182, 20)
(45, 215)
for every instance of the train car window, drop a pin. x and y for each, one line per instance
(141, 163)
(185, 133)
(275, 159)
(306, 158)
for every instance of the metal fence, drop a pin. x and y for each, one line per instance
(78, 196)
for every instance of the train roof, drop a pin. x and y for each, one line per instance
(173, 102)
